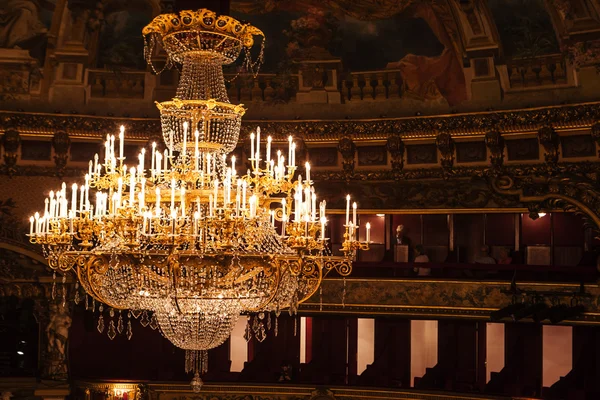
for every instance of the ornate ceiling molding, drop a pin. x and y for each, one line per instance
(420, 127)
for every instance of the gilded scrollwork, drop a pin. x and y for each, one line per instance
(395, 146)
(445, 146)
(347, 149)
(495, 145)
(550, 140)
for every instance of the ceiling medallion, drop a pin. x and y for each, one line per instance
(180, 235)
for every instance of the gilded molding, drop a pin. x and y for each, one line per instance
(435, 298)
(458, 125)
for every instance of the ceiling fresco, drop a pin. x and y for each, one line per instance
(411, 37)
(525, 28)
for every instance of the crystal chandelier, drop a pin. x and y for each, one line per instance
(189, 239)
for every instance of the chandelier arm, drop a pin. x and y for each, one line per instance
(315, 287)
(94, 262)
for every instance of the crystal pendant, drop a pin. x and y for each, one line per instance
(153, 322)
(111, 330)
(100, 324)
(111, 312)
(54, 286)
(269, 321)
(76, 298)
(136, 313)
(248, 331)
(129, 332)
(261, 335)
(276, 326)
(120, 324)
(145, 320)
(87, 302)
(64, 290)
(196, 383)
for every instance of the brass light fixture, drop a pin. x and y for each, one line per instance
(187, 238)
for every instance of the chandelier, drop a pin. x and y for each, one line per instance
(180, 233)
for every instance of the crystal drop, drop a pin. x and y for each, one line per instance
(261, 335)
(101, 324)
(93, 304)
(154, 322)
(112, 312)
(111, 330)
(120, 324)
(254, 325)
(136, 313)
(76, 299)
(129, 332)
(248, 332)
(261, 315)
(269, 321)
(87, 302)
(101, 308)
(145, 320)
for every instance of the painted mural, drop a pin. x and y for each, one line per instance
(525, 28)
(413, 37)
(24, 24)
(121, 44)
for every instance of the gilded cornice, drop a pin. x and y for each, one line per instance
(576, 116)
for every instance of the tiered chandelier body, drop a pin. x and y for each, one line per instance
(189, 238)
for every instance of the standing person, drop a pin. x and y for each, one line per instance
(421, 257)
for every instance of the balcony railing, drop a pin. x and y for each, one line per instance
(371, 85)
(538, 71)
(116, 84)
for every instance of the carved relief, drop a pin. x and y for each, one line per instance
(522, 149)
(372, 156)
(83, 151)
(467, 152)
(36, 150)
(323, 156)
(578, 146)
(421, 154)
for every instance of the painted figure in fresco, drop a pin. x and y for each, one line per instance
(429, 78)
(21, 23)
(57, 333)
